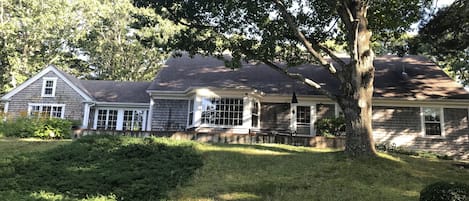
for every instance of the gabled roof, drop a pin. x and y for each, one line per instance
(70, 80)
(94, 90)
(410, 77)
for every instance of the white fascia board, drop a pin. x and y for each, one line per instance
(122, 105)
(41, 74)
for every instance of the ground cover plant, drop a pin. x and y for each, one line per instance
(99, 167)
(132, 169)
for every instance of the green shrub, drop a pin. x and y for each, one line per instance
(36, 127)
(123, 167)
(330, 126)
(445, 191)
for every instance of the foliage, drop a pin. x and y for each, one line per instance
(88, 38)
(392, 148)
(288, 33)
(229, 172)
(445, 36)
(330, 126)
(45, 128)
(445, 191)
(117, 167)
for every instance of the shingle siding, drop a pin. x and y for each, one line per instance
(169, 114)
(325, 111)
(402, 125)
(64, 94)
(275, 116)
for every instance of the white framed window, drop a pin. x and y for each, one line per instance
(49, 85)
(126, 119)
(190, 120)
(432, 121)
(255, 114)
(133, 120)
(222, 111)
(106, 119)
(46, 110)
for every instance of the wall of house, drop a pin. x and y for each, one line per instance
(275, 116)
(402, 126)
(64, 94)
(169, 114)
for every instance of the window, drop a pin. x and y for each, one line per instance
(191, 112)
(432, 121)
(222, 111)
(133, 120)
(48, 87)
(47, 110)
(107, 119)
(255, 114)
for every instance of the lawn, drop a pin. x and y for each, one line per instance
(159, 169)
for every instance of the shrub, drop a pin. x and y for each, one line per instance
(331, 126)
(36, 127)
(445, 191)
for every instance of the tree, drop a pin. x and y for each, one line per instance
(446, 37)
(294, 32)
(87, 38)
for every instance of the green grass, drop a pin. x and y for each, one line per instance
(134, 169)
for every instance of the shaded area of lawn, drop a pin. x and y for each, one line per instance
(281, 172)
(100, 168)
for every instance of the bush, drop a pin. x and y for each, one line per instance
(445, 191)
(331, 126)
(36, 127)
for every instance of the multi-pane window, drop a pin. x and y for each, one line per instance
(107, 119)
(432, 121)
(222, 111)
(191, 112)
(133, 120)
(48, 87)
(46, 110)
(255, 114)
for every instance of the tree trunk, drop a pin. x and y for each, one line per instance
(357, 88)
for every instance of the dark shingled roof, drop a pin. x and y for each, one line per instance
(423, 80)
(115, 91)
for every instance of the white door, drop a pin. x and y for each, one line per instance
(304, 120)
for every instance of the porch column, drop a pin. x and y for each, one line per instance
(86, 115)
(5, 107)
(150, 114)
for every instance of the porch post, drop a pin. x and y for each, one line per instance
(150, 114)
(86, 115)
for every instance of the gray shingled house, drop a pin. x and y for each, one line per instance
(415, 103)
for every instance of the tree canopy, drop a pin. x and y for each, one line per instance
(295, 32)
(88, 38)
(446, 37)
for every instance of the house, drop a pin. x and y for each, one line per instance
(415, 104)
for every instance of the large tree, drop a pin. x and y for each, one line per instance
(95, 39)
(446, 37)
(294, 31)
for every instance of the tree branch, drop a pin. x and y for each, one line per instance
(308, 45)
(301, 78)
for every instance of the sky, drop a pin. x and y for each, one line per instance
(438, 4)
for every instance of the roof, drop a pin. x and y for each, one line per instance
(423, 78)
(115, 91)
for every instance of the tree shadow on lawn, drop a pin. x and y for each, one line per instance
(105, 165)
(238, 175)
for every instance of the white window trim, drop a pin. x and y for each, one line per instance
(54, 86)
(190, 125)
(246, 118)
(442, 123)
(30, 105)
(120, 117)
